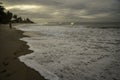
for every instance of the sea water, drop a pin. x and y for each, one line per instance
(76, 52)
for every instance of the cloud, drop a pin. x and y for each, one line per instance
(66, 9)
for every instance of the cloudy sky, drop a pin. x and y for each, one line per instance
(66, 10)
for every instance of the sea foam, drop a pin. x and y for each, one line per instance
(69, 53)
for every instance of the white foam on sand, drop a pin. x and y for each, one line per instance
(70, 53)
(33, 64)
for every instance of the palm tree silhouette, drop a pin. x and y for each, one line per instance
(6, 17)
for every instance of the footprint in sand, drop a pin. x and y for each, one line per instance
(15, 53)
(5, 63)
(4, 71)
(8, 75)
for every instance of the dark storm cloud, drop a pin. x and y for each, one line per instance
(69, 9)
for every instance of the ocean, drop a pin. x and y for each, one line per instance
(73, 52)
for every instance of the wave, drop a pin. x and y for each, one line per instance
(69, 53)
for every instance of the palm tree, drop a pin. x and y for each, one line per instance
(15, 17)
(9, 16)
(5, 17)
(2, 13)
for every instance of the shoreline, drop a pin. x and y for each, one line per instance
(10, 49)
(68, 53)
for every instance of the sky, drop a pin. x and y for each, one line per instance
(66, 10)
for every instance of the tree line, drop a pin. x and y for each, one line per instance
(7, 17)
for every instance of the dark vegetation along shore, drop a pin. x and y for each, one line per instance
(7, 17)
(11, 47)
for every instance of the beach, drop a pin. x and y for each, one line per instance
(60, 40)
(10, 49)
(77, 52)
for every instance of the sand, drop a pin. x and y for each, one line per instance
(10, 49)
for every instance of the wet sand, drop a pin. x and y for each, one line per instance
(10, 49)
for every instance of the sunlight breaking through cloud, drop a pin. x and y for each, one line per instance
(24, 7)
